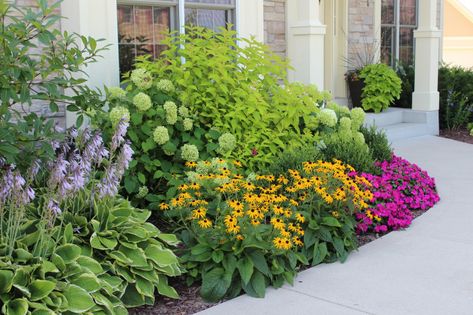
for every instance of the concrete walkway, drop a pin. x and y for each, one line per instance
(426, 269)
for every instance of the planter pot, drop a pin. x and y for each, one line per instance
(356, 89)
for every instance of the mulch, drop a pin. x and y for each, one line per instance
(462, 135)
(190, 302)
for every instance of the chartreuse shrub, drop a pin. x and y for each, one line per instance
(238, 89)
(164, 134)
(69, 244)
(382, 87)
(245, 233)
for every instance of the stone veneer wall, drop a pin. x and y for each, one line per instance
(39, 107)
(361, 33)
(275, 25)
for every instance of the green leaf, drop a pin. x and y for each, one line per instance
(88, 282)
(215, 284)
(320, 252)
(257, 285)
(6, 277)
(331, 221)
(40, 289)
(131, 297)
(162, 257)
(68, 252)
(79, 301)
(217, 256)
(17, 307)
(260, 262)
(90, 263)
(144, 287)
(245, 267)
(165, 289)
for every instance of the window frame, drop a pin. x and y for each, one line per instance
(396, 26)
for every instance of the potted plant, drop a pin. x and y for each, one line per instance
(355, 86)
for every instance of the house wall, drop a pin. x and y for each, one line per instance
(362, 32)
(275, 26)
(458, 35)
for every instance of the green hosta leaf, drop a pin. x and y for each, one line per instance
(215, 284)
(90, 264)
(137, 256)
(40, 289)
(245, 267)
(68, 233)
(257, 285)
(331, 221)
(119, 256)
(144, 287)
(165, 289)
(48, 267)
(43, 312)
(68, 252)
(17, 307)
(131, 297)
(88, 282)
(78, 299)
(6, 281)
(162, 257)
(170, 239)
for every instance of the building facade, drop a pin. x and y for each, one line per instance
(321, 38)
(458, 33)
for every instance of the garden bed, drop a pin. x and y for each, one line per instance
(462, 135)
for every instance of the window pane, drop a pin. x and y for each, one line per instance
(212, 1)
(140, 31)
(387, 12)
(408, 12)
(387, 44)
(406, 45)
(213, 19)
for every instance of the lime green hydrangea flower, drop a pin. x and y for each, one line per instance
(165, 85)
(142, 192)
(345, 124)
(118, 113)
(226, 142)
(357, 117)
(328, 117)
(141, 78)
(142, 101)
(188, 124)
(116, 93)
(184, 111)
(189, 152)
(171, 112)
(359, 138)
(161, 135)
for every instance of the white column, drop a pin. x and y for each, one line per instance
(305, 42)
(97, 19)
(427, 41)
(250, 19)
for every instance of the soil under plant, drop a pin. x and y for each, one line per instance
(190, 301)
(462, 135)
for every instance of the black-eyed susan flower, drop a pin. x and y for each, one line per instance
(235, 205)
(205, 223)
(199, 213)
(164, 206)
(278, 223)
(300, 218)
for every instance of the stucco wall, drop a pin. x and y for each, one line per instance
(457, 36)
(275, 25)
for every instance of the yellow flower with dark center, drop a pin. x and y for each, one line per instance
(291, 227)
(278, 243)
(285, 233)
(249, 186)
(163, 206)
(297, 241)
(183, 187)
(205, 223)
(253, 213)
(199, 213)
(191, 164)
(287, 244)
(229, 220)
(335, 214)
(278, 210)
(300, 231)
(255, 222)
(293, 202)
(235, 205)
(278, 223)
(300, 218)
(287, 213)
(237, 163)
(233, 229)
(238, 213)
(194, 186)
(237, 176)
(240, 237)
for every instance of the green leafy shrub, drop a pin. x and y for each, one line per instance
(407, 75)
(456, 97)
(378, 143)
(382, 87)
(37, 64)
(243, 234)
(69, 244)
(293, 159)
(237, 89)
(163, 133)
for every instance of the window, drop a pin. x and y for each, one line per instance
(398, 22)
(142, 24)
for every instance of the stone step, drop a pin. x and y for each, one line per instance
(388, 117)
(405, 130)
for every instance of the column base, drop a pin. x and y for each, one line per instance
(426, 101)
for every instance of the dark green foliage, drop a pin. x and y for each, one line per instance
(378, 143)
(456, 96)
(293, 159)
(37, 64)
(406, 74)
(352, 153)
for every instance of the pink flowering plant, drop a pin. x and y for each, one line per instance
(401, 188)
